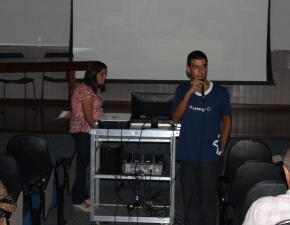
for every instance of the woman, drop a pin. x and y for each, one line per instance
(86, 104)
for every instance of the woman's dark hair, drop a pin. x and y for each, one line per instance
(90, 78)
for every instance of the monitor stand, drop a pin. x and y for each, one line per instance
(154, 122)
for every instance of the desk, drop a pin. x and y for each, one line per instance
(46, 65)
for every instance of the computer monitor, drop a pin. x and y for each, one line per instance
(153, 106)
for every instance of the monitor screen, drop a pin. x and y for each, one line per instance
(153, 106)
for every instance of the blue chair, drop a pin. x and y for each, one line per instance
(25, 80)
(11, 177)
(33, 157)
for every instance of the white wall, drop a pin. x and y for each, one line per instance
(280, 24)
(35, 22)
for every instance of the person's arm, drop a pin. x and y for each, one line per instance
(226, 130)
(87, 106)
(178, 111)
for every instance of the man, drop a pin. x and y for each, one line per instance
(201, 105)
(271, 210)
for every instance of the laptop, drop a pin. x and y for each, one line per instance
(114, 121)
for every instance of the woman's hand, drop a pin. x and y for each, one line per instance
(68, 116)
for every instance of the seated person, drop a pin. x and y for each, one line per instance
(271, 210)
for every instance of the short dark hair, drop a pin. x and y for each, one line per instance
(286, 158)
(91, 73)
(196, 55)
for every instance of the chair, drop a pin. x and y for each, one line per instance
(50, 79)
(243, 151)
(246, 176)
(239, 153)
(32, 155)
(11, 177)
(284, 222)
(262, 189)
(23, 80)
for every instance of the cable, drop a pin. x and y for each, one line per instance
(198, 164)
(144, 200)
(142, 128)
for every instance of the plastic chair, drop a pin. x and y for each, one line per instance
(11, 177)
(33, 157)
(262, 189)
(246, 176)
(284, 222)
(23, 80)
(239, 153)
(243, 151)
(50, 79)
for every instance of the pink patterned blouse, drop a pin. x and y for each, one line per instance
(77, 122)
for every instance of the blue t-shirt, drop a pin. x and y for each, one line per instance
(200, 133)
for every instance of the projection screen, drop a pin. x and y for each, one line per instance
(150, 39)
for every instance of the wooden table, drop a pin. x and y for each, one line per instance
(46, 65)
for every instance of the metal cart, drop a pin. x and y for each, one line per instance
(137, 133)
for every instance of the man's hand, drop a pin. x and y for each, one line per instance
(196, 86)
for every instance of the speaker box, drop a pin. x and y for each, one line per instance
(110, 158)
(160, 159)
(136, 158)
(148, 158)
(126, 157)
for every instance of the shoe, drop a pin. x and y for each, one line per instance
(82, 208)
(88, 201)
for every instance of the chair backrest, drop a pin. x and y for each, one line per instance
(244, 151)
(31, 154)
(11, 55)
(284, 222)
(10, 176)
(246, 176)
(262, 189)
(33, 157)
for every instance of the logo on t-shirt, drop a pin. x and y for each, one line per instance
(199, 108)
(215, 143)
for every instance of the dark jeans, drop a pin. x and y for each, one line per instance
(199, 183)
(82, 148)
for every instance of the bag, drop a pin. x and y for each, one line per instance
(6, 201)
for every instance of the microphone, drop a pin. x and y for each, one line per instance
(202, 91)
